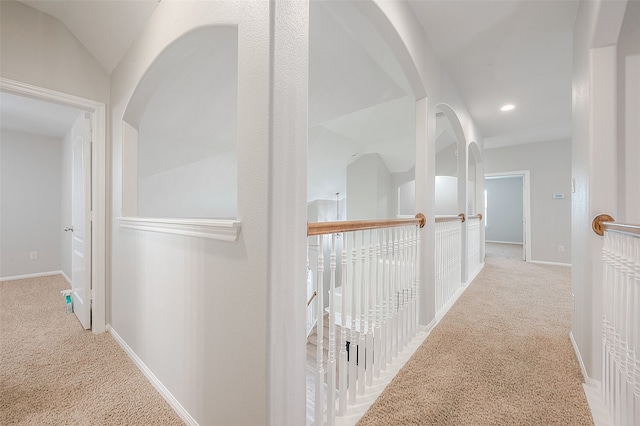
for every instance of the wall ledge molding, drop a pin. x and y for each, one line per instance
(157, 384)
(224, 230)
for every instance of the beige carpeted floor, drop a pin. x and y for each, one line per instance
(501, 356)
(52, 372)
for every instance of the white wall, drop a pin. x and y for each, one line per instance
(368, 189)
(446, 193)
(213, 320)
(30, 187)
(628, 123)
(38, 49)
(550, 166)
(594, 165)
(447, 161)
(503, 222)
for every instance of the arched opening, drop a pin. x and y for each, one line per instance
(361, 119)
(450, 151)
(180, 130)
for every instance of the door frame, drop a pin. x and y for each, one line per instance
(98, 187)
(526, 208)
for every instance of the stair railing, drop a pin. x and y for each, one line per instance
(448, 253)
(620, 319)
(375, 305)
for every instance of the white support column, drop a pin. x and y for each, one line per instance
(286, 211)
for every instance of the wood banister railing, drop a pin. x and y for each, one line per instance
(450, 218)
(313, 296)
(604, 222)
(475, 216)
(322, 228)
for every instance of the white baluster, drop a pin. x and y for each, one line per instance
(384, 284)
(353, 345)
(319, 404)
(362, 340)
(342, 391)
(331, 360)
(636, 329)
(377, 316)
(369, 304)
(396, 288)
(390, 300)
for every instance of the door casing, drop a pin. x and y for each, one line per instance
(99, 241)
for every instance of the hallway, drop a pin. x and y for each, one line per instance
(502, 355)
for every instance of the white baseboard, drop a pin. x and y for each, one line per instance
(473, 277)
(591, 388)
(587, 379)
(65, 277)
(503, 242)
(543, 262)
(171, 400)
(443, 311)
(39, 274)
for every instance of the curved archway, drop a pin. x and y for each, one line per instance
(363, 88)
(461, 149)
(180, 126)
(373, 11)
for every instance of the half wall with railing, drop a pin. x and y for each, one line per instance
(620, 320)
(448, 262)
(366, 307)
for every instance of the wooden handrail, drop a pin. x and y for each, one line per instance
(476, 216)
(450, 218)
(604, 222)
(322, 228)
(315, 293)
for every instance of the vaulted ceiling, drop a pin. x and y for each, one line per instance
(497, 52)
(507, 52)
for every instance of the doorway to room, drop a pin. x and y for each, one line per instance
(75, 246)
(506, 214)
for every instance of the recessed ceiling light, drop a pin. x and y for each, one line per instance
(507, 107)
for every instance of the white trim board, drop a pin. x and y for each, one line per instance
(591, 387)
(39, 274)
(503, 242)
(157, 384)
(99, 181)
(225, 230)
(544, 262)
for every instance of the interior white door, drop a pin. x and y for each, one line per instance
(81, 222)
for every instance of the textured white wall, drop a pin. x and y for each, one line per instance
(628, 123)
(30, 188)
(368, 189)
(446, 192)
(594, 164)
(550, 166)
(211, 319)
(38, 49)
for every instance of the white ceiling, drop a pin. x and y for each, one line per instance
(105, 27)
(499, 52)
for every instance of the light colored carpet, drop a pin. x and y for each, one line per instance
(52, 372)
(501, 356)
